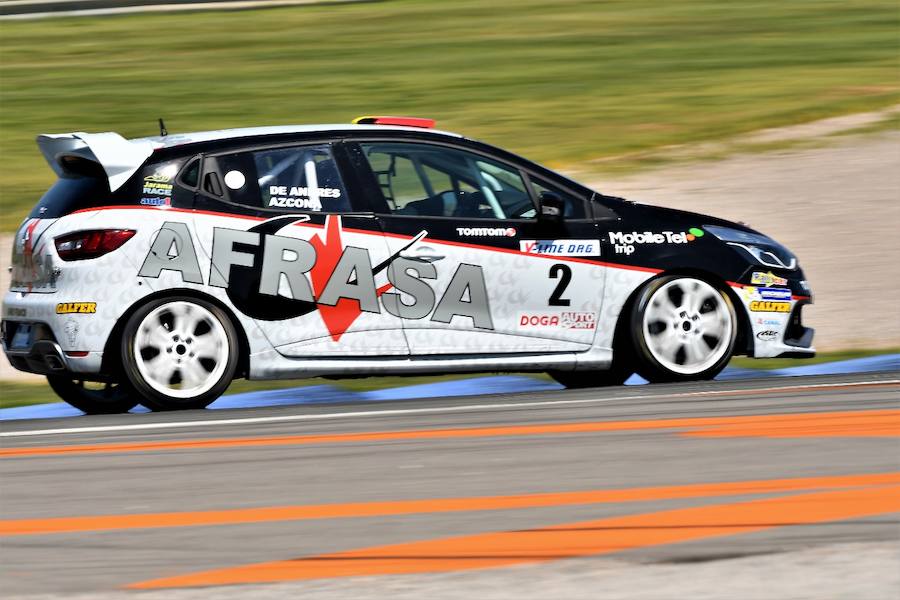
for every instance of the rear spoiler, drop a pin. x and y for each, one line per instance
(120, 158)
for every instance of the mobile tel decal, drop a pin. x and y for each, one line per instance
(322, 275)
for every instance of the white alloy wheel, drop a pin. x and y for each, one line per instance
(181, 349)
(688, 326)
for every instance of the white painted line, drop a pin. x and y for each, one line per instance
(421, 411)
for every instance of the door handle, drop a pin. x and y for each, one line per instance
(422, 253)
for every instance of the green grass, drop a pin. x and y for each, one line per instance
(563, 82)
(23, 394)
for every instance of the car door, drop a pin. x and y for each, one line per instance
(485, 275)
(295, 252)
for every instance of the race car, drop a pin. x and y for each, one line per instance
(156, 270)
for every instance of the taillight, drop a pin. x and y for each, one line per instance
(82, 245)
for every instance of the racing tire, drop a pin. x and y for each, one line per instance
(179, 353)
(111, 399)
(593, 378)
(683, 329)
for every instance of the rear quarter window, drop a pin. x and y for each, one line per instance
(85, 185)
(71, 193)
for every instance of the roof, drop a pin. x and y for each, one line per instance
(179, 139)
(121, 158)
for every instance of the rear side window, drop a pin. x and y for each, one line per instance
(71, 193)
(303, 179)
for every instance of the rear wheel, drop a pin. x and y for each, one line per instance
(684, 329)
(179, 353)
(93, 398)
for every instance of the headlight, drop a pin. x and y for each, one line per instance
(764, 250)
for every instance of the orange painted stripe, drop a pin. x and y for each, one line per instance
(857, 424)
(12, 527)
(852, 423)
(500, 549)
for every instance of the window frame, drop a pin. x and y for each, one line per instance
(369, 181)
(334, 147)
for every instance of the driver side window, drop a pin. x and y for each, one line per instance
(436, 181)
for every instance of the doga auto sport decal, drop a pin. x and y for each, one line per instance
(322, 275)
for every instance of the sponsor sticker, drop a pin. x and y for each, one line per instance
(67, 308)
(486, 231)
(235, 180)
(157, 189)
(561, 247)
(769, 306)
(768, 322)
(767, 279)
(71, 329)
(767, 336)
(16, 312)
(163, 175)
(624, 242)
(563, 320)
(284, 196)
(774, 293)
(157, 201)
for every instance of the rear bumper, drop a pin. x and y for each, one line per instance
(43, 357)
(42, 354)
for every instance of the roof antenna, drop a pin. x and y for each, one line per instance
(162, 128)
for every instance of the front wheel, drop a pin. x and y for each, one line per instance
(179, 353)
(684, 329)
(93, 398)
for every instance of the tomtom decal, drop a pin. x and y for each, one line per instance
(486, 231)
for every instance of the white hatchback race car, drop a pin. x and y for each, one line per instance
(157, 270)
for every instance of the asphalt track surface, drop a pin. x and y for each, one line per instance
(492, 488)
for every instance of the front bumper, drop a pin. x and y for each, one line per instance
(775, 325)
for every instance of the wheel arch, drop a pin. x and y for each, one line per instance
(111, 359)
(743, 343)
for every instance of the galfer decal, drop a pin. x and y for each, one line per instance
(273, 278)
(767, 279)
(67, 308)
(486, 231)
(767, 306)
(560, 247)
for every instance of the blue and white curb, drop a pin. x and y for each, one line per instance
(493, 384)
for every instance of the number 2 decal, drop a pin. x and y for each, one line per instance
(564, 274)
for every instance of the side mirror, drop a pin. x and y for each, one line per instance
(551, 206)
